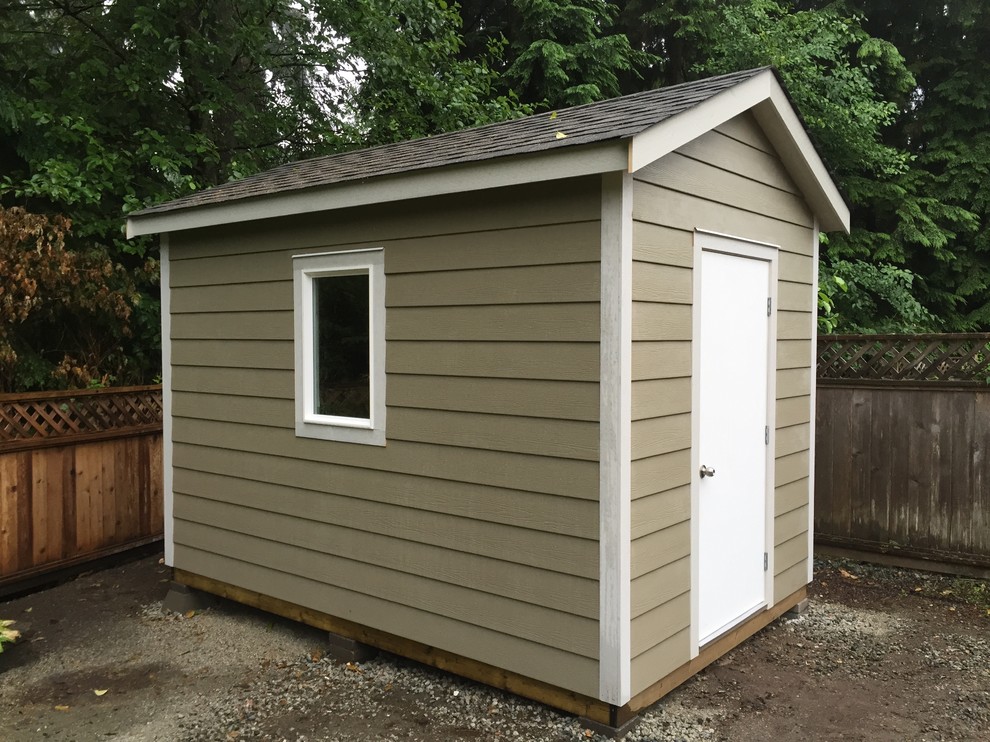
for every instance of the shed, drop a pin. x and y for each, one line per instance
(532, 402)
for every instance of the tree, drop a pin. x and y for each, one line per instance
(109, 106)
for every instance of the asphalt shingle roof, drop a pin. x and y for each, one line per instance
(618, 118)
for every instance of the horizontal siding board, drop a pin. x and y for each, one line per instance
(744, 128)
(267, 483)
(507, 360)
(270, 296)
(654, 243)
(569, 439)
(564, 669)
(660, 548)
(790, 580)
(676, 210)
(278, 413)
(792, 411)
(790, 552)
(294, 552)
(793, 354)
(793, 439)
(661, 321)
(660, 397)
(518, 285)
(565, 400)
(793, 382)
(727, 153)
(495, 468)
(660, 473)
(249, 382)
(656, 588)
(794, 297)
(570, 243)
(720, 186)
(660, 435)
(660, 360)
(661, 623)
(796, 268)
(791, 495)
(790, 525)
(660, 660)
(794, 325)
(532, 205)
(522, 322)
(232, 326)
(791, 468)
(664, 509)
(263, 354)
(547, 551)
(666, 284)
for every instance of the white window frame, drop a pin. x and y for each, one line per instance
(305, 268)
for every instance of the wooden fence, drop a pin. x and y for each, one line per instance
(80, 477)
(903, 430)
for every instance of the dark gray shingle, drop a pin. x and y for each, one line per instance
(617, 118)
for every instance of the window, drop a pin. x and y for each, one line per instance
(340, 346)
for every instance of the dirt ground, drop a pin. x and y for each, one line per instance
(883, 654)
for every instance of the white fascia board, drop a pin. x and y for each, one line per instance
(764, 96)
(549, 165)
(615, 431)
(166, 319)
(785, 131)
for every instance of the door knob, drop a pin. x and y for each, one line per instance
(707, 471)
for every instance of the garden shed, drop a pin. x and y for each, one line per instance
(531, 402)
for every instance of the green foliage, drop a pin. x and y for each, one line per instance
(7, 634)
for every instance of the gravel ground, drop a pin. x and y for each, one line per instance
(882, 654)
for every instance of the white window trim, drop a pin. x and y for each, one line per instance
(305, 268)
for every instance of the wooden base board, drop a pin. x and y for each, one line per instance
(713, 650)
(605, 714)
(876, 555)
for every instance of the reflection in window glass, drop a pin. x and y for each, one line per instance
(342, 353)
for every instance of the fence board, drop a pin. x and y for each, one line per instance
(80, 477)
(901, 466)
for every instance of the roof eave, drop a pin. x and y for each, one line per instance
(552, 164)
(766, 98)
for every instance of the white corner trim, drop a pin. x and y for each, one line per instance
(694, 634)
(554, 164)
(815, 249)
(663, 138)
(167, 476)
(310, 424)
(782, 126)
(615, 430)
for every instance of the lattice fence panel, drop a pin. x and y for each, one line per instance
(47, 416)
(959, 358)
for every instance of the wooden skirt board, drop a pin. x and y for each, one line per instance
(565, 700)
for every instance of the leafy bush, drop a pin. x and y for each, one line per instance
(7, 634)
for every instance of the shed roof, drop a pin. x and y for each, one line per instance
(522, 144)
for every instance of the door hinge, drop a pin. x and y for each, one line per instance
(766, 561)
(769, 305)
(766, 435)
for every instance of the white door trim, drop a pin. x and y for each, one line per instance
(705, 240)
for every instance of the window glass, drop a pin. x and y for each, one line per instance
(341, 317)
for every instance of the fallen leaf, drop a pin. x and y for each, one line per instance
(848, 575)
(352, 667)
(316, 655)
(917, 589)
(28, 610)
(100, 692)
(61, 708)
(560, 135)
(190, 614)
(553, 115)
(946, 592)
(162, 560)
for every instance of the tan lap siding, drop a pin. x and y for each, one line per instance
(475, 528)
(730, 181)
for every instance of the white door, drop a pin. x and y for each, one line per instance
(733, 415)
